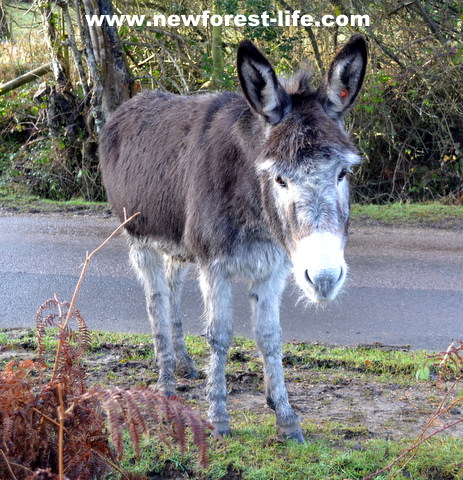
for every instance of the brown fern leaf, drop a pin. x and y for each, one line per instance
(146, 412)
(42, 323)
(177, 415)
(158, 413)
(6, 427)
(110, 400)
(200, 428)
(135, 424)
(175, 418)
(84, 335)
(59, 311)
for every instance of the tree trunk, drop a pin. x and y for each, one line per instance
(107, 62)
(4, 30)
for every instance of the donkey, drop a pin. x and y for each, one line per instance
(247, 188)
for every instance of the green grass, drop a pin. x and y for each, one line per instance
(370, 360)
(33, 204)
(359, 359)
(413, 214)
(254, 453)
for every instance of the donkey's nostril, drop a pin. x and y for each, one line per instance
(307, 277)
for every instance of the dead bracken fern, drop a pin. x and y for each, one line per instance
(52, 427)
(36, 433)
(449, 380)
(143, 412)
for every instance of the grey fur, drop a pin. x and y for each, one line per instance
(245, 188)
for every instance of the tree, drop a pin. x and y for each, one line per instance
(77, 112)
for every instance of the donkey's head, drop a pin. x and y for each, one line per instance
(305, 160)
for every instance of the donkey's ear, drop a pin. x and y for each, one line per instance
(344, 79)
(260, 84)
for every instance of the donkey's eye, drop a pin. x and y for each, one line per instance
(342, 174)
(281, 182)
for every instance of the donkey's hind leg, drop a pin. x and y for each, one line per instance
(149, 265)
(175, 271)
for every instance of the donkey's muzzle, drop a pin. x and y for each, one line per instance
(318, 265)
(326, 283)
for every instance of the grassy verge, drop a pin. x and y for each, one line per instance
(254, 454)
(436, 215)
(19, 203)
(331, 387)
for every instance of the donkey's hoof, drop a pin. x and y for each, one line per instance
(297, 436)
(224, 433)
(186, 367)
(293, 432)
(167, 390)
(223, 429)
(168, 393)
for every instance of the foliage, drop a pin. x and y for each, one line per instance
(407, 122)
(31, 160)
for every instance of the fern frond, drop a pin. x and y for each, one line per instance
(111, 404)
(136, 424)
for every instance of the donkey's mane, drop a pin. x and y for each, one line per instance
(298, 84)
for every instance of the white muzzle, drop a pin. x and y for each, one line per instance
(319, 266)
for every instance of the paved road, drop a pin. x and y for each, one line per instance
(405, 285)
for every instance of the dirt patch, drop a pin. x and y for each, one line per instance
(361, 405)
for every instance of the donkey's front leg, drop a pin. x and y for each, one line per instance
(216, 291)
(265, 302)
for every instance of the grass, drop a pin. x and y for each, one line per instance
(360, 359)
(413, 214)
(21, 203)
(254, 453)
(401, 365)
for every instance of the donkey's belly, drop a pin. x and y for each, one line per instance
(171, 248)
(255, 261)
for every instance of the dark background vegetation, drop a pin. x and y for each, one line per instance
(408, 123)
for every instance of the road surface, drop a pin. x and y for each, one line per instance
(405, 286)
